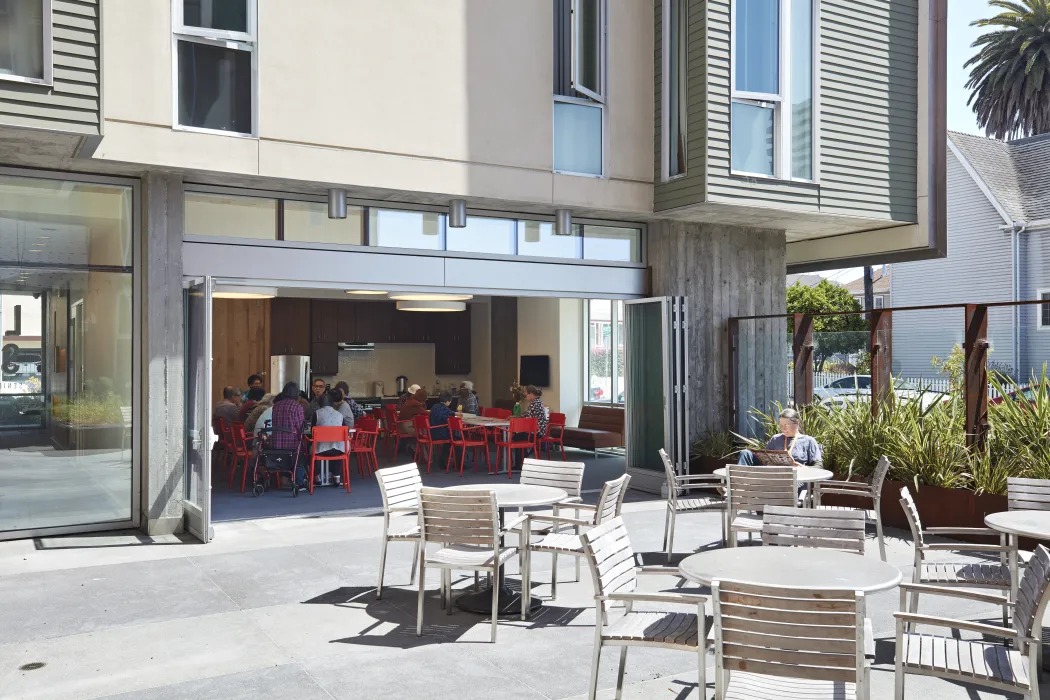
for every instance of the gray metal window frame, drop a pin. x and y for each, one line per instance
(48, 29)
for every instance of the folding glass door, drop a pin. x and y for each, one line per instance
(197, 503)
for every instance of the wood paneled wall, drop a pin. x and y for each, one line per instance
(725, 271)
(240, 342)
(504, 346)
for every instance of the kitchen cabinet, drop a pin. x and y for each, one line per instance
(289, 326)
(324, 359)
(346, 322)
(324, 321)
(382, 321)
(451, 333)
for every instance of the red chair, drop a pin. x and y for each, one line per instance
(241, 451)
(425, 438)
(363, 445)
(521, 435)
(555, 437)
(225, 441)
(393, 431)
(468, 437)
(330, 433)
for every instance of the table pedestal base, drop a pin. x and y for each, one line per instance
(509, 603)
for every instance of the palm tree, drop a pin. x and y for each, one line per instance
(1010, 78)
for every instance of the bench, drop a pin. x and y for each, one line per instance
(599, 427)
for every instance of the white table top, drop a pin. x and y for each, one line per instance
(799, 567)
(1027, 523)
(511, 495)
(486, 421)
(805, 474)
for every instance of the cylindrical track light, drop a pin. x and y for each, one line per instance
(457, 213)
(336, 204)
(563, 222)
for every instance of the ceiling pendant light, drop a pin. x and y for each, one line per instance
(563, 222)
(457, 213)
(244, 293)
(431, 306)
(424, 296)
(366, 292)
(336, 204)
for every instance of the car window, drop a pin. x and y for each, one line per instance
(864, 382)
(846, 383)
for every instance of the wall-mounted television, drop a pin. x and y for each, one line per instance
(535, 369)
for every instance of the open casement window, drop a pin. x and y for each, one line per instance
(579, 86)
(216, 65)
(772, 112)
(26, 41)
(675, 42)
(588, 48)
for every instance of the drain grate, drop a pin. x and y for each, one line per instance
(33, 666)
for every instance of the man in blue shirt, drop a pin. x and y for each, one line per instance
(439, 415)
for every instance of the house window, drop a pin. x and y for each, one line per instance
(579, 86)
(215, 48)
(25, 41)
(772, 108)
(675, 63)
(880, 302)
(1044, 309)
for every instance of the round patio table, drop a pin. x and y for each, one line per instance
(508, 495)
(797, 567)
(488, 423)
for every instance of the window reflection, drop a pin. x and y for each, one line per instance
(537, 238)
(612, 243)
(230, 217)
(483, 235)
(309, 222)
(405, 229)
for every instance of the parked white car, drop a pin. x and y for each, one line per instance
(849, 389)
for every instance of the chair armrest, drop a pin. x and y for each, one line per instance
(965, 547)
(952, 592)
(556, 519)
(660, 570)
(507, 527)
(700, 477)
(961, 531)
(840, 484)
(951, 623)
(403, 509)
(684, 598)
(569, 499)
(584, 506)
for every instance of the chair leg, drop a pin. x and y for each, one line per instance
(577, 569)
(597, 654)
(620, 672)
(495, 610)
(898, 670)
(554, 576)
(878, 532)
(419, 601)
(525, 560)
(382, 565)
(670, 537)
(415, 562)
(448, 591)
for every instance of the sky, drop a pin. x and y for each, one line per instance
(960, 117)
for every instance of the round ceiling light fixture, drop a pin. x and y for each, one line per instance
(424, 296)
(366, 292)
(244, 293)
(432, 306)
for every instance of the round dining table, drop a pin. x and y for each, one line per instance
(795, 567)
(508, 495)
(488, 423)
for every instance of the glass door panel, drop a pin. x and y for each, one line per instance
(197, 504)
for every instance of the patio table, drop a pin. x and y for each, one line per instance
(798, 567)
(486, 422)
(805, 475)
(508, 495)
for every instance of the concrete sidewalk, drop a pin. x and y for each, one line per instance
(285, 608)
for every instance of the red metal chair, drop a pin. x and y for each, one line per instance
(425, 438)
(241, 451)
(468, 437)
(521, 435)
(330, 433)
(363, 444)
(224, 443)
(393, 430)
(555, 434)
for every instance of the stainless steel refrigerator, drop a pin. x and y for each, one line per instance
(289, 368)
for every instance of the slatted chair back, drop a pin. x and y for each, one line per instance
(399, 487)
(610, 500)
(882, 468)
(751, 489)
(1032, 592)
(806, 527)
(611, 558)
(562, 475)
(912, 514)
(1028, 494)
(788, 632)
(672, 482)
(459, 516)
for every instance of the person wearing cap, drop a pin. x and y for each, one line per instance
(467, 400)
(403, 398)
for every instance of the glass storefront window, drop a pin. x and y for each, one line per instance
(66, 380)
(308, 222)
(605, 356)
(612, 243)
(483, 235)
(53, 222)
(537, 238)
(405, 229)
(230, 217)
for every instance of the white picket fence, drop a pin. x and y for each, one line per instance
(931, 384)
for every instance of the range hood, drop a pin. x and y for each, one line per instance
(357, 346)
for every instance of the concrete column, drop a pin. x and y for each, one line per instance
(164, 391)
(726, 271)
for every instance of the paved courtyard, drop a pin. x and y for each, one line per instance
(285, 608)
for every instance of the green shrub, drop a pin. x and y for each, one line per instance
(716, 445)
(90, 411)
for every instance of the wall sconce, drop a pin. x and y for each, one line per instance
(336, 204)
(457, 213)
(563, 222)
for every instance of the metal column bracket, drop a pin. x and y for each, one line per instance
(975, 374)
(802, 353)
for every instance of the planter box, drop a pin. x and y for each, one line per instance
(89, 437)
(707, 465)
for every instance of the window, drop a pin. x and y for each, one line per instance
(215, 49)
(1044, 309)
(773, 87)
(230, 217)
(537, 238)
(483, 235)
(675, 62)
(25, 41)
(405, 229)
(864, 383)
(604, 356)
(579, 85)
(612, 243)
(880, 302)
(308, 222)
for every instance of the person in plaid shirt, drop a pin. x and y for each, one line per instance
(287, 415)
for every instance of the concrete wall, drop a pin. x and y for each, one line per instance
(452, 98)
(725, 271)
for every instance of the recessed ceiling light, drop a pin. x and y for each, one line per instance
(419, 296)
(431, 306)
(244, 293)
(365, 292)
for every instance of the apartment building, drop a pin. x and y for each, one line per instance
(184, 174)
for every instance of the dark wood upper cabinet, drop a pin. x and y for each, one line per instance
(325, 321)
(451, 332)
(346, 322)
(382, 321)
(324, 359)
(289, 326)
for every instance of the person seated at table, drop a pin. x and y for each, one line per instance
(467, 401)
(328, 416)
(229, 406)
(341, 405)
(404, 397)
(355, 407)
(262, 412)
(318, 389)
(287, 416)
(415, 406)
(804, 449)
(439, 416)
(255, 381)
(250, 400)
